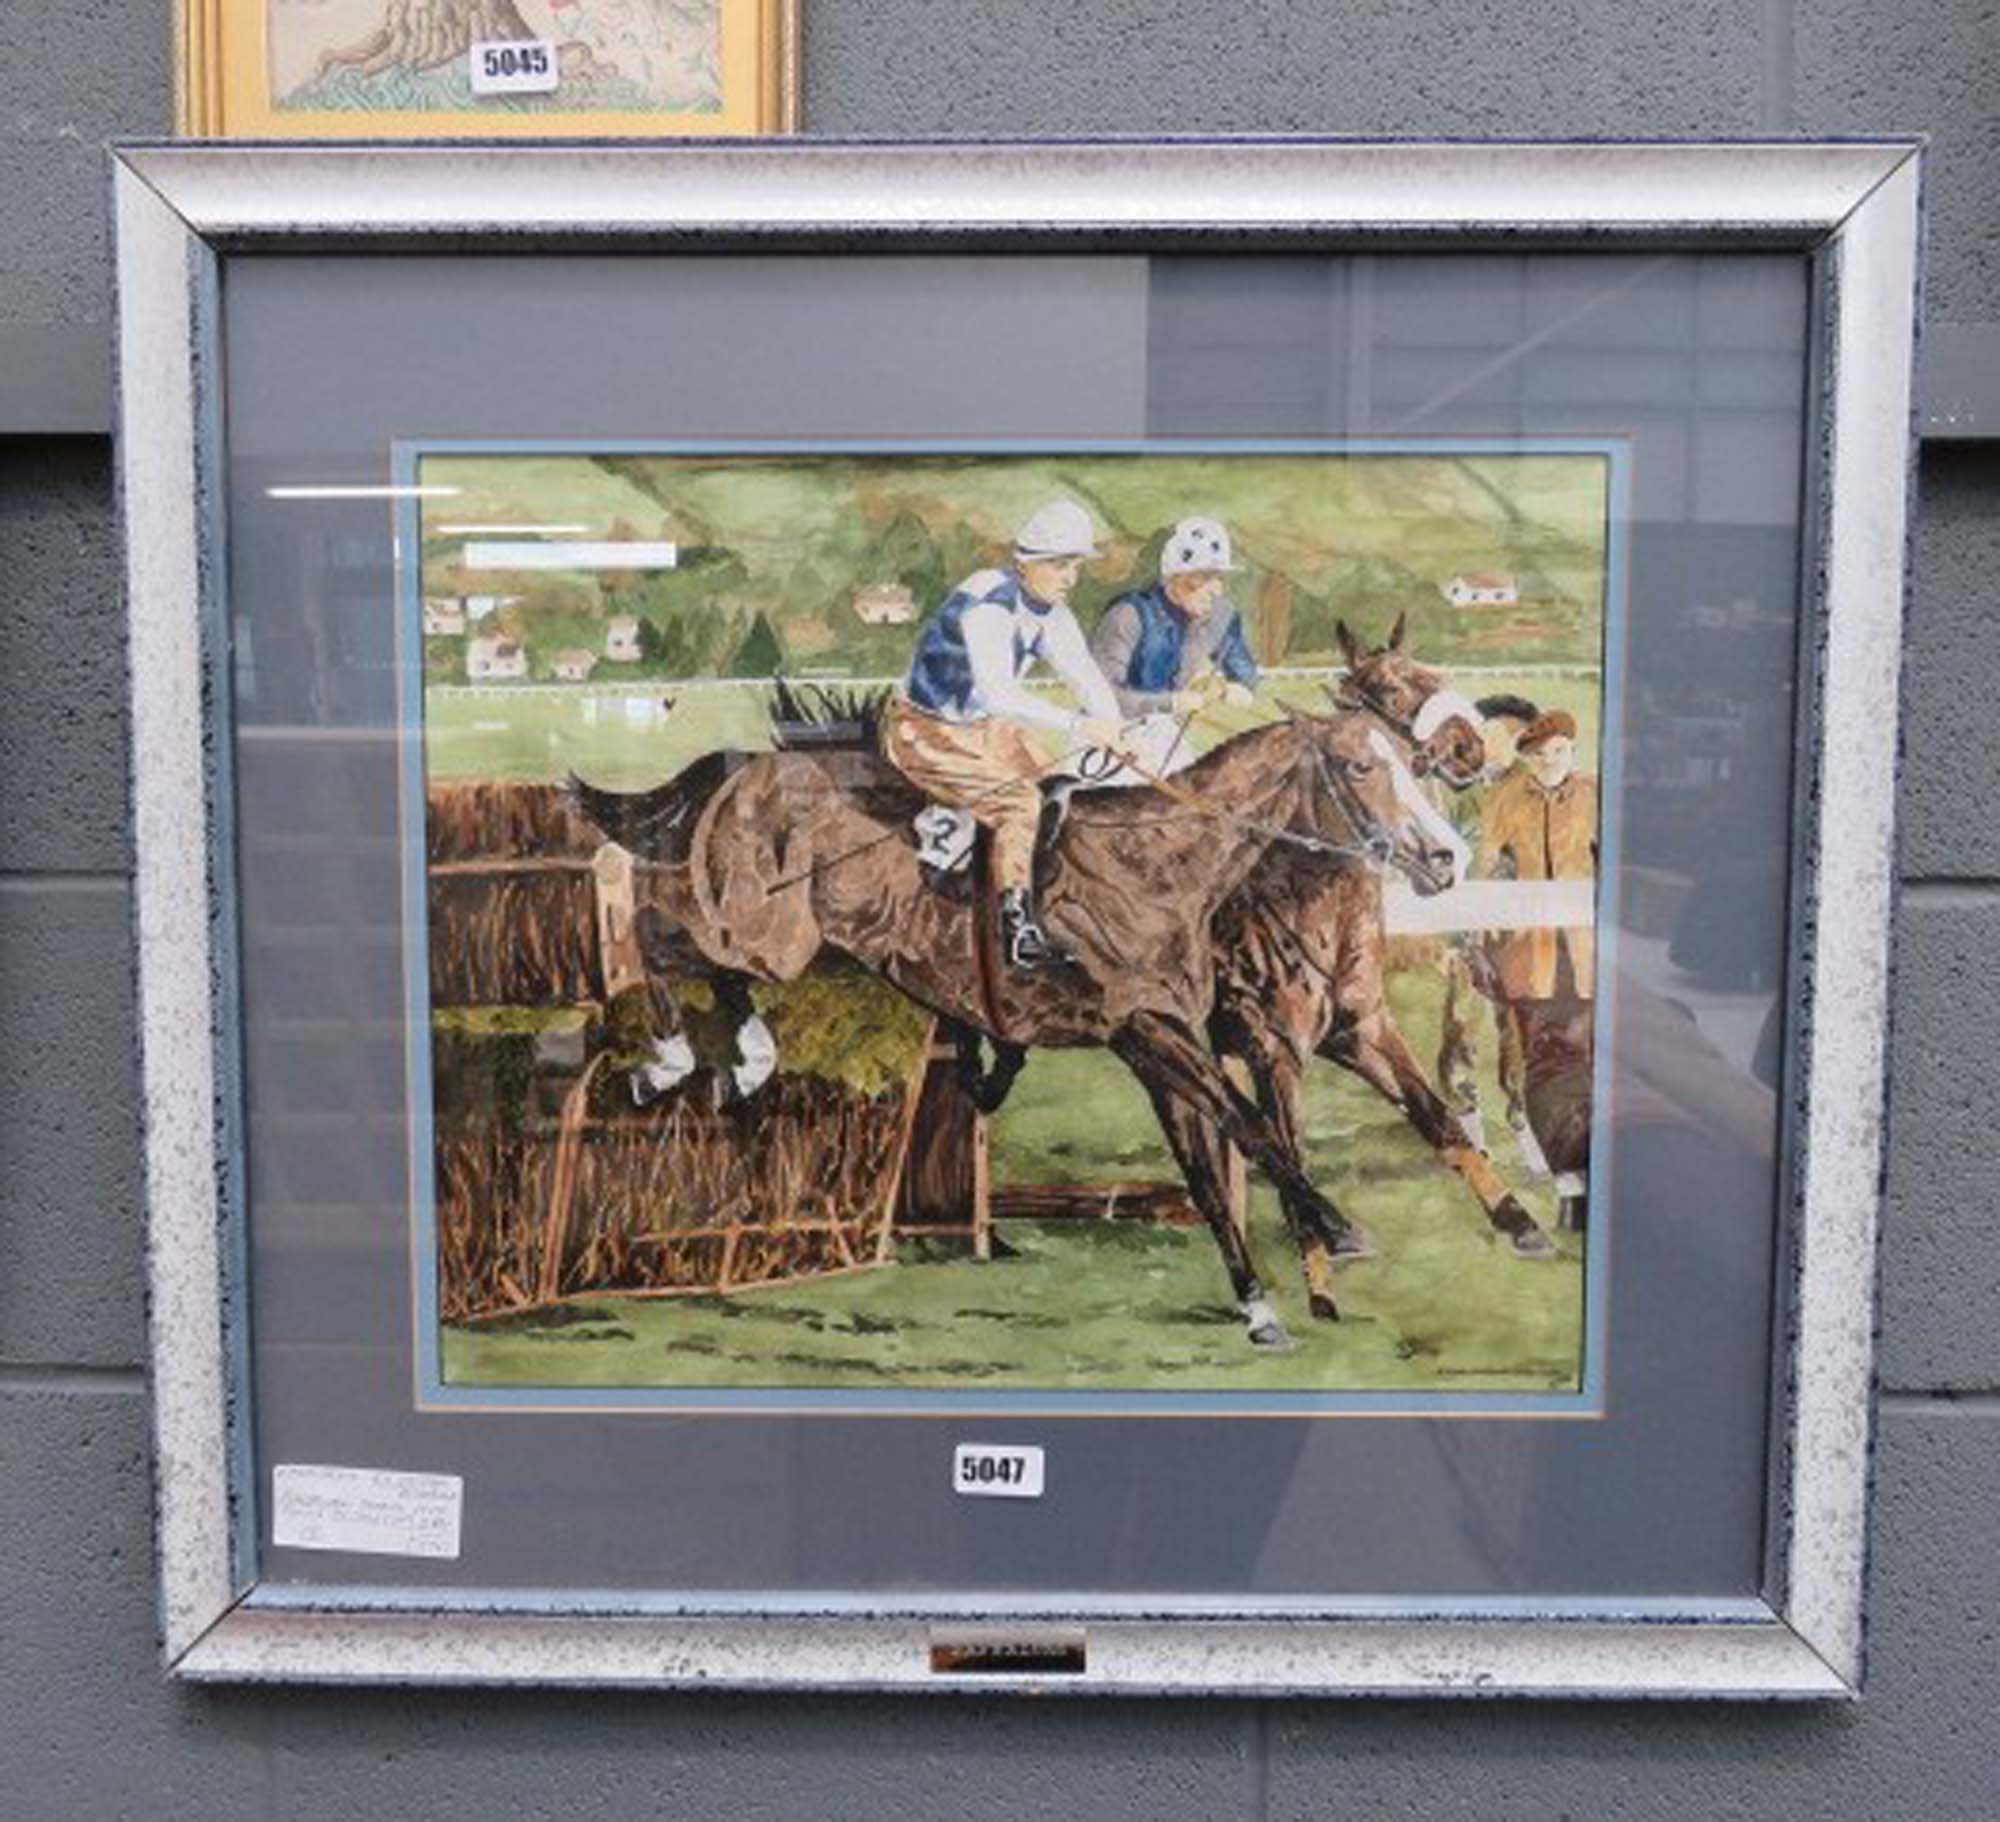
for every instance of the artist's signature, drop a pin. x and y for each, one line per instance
(1494, 1372)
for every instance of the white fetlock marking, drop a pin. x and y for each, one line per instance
(1258, 1314)
(672, 1064)
(758, 1051)
(1571, 1183)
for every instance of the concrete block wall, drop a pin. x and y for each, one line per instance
(91, 1729)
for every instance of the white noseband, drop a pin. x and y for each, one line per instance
(1441, 706)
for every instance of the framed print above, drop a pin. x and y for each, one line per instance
(401, 69)
(1009, 940)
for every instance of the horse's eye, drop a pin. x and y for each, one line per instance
(1360, 768)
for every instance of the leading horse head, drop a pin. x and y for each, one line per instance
(1366, 798)
(1446, 732)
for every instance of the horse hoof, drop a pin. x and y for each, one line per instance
(1263, 1326)
(1531, 1242)
(1322, 1307)
(1349, 1245)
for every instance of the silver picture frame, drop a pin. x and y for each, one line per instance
(183, 211)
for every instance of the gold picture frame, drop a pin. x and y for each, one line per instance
(398, 69)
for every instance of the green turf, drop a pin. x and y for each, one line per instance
(1094, 1305)
(547, 732)
(1443, 1306)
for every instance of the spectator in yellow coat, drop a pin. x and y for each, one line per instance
(1541, 823)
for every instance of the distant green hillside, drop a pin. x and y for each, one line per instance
(773, 548)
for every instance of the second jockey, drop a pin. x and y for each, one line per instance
(1158, 645)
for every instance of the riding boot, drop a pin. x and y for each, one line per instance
(1026, 944)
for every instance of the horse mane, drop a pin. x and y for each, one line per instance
(815, 716)
(1116, 802)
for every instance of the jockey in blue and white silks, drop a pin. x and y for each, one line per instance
(959, 727)
(976, 649)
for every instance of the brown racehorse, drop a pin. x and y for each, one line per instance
(763, 861)
(1300, 949)
(1441, 728)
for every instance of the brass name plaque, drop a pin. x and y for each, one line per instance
(1008, 1654)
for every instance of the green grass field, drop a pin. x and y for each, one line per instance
(546, 732)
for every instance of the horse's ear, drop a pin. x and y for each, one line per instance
(1350, 647)
(1397, 631)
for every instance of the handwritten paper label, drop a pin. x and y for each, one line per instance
(514, 66)
(376, 1511)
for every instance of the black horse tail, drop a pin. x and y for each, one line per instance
(654, 824)
(804, 716)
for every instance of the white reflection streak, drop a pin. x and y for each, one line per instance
(358, 492)
(478, 531)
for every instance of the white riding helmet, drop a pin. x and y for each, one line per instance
(1197, 547)
(1060, 529)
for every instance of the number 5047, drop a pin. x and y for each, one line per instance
(997, 1471)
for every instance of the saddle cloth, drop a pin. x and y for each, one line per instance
(1160, 746)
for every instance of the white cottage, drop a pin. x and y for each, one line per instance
(621, 639)
(574, 666)
(885, 604)
(495, 660)
(444, 616)
(1482, 588)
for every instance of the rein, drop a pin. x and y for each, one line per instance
(1357, 701)
(1375, 846)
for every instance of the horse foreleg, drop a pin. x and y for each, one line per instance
(1157, 1048)
(986, 1088)
(1198, 1149)
(992, 1088)
(1377, 1052)
(756, 1048)
(1275, 1070)
(1458, 1050)
(669, 1056)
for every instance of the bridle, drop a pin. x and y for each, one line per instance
(1374, 843)
(1423, 763)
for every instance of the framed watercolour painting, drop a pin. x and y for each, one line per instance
(398, 69)
(1007, 940)
(622, 646)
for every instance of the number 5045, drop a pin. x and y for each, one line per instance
(516, 59)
